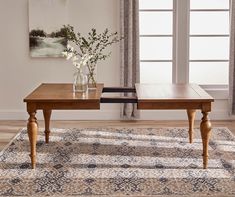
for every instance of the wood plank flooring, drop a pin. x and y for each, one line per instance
(8, 129)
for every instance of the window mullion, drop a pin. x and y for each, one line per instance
(181, 41)
(154, 35)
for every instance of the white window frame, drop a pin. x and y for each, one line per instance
(181, 42)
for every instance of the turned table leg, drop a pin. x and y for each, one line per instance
(191, 118)
(47, 117)
(32, 127)
(205, 128)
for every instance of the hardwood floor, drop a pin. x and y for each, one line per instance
(8, 129)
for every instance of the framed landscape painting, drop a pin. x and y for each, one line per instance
(46, 32)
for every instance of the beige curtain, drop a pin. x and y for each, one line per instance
(129, 51)
(232, 59)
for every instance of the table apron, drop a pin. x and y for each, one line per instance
(205, 106)
(33, 106)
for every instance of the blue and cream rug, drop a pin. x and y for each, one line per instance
(119, 162)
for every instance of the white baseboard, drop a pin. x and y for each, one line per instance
(111, 115)
(63, 115)
(181, 115)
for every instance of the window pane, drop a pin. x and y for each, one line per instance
(209, 73)
(161, 23)
(209, 23)
(209, 4)
(156, 4)
(160, 72)
(207, 48)
(156, 48)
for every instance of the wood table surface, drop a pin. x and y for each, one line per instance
(189, 97)
(172, 96)
(61, 96)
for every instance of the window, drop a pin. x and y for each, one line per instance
(209, 42)
(156, 41)
(205, 57)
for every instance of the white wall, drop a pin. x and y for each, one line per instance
(20, 74)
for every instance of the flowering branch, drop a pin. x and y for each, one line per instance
(71, 54)
(94, 44)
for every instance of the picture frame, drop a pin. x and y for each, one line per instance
(46, 31)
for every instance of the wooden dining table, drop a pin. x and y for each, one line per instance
(190, 97)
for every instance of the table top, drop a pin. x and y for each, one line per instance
(145, 93)
(47, 92)
(171, 92)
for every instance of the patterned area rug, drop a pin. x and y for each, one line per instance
(119, 162)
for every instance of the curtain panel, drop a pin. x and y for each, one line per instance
(129, 48)
(232, 59)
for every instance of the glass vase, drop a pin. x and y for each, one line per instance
(92, 82)
(80, 83)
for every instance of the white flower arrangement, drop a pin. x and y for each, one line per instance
(71, 54)
(93, 44)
